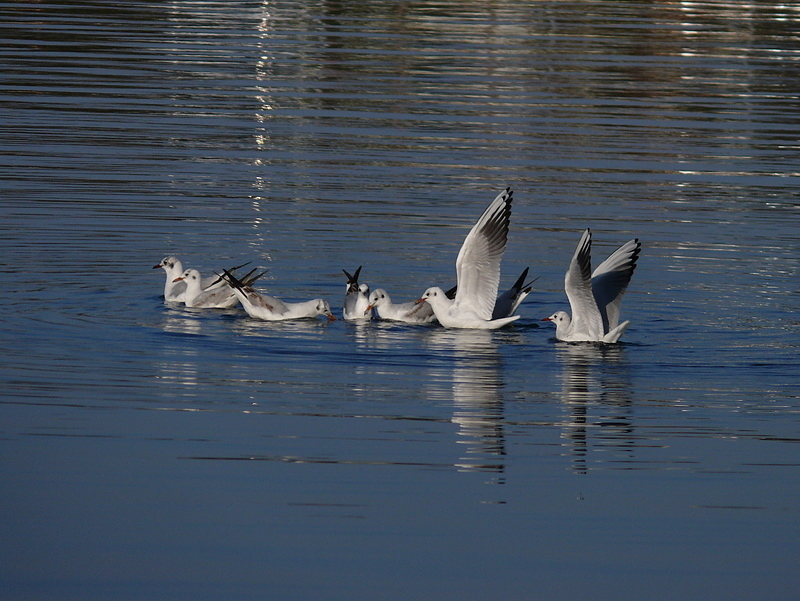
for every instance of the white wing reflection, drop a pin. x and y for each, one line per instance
(595, 392)
(472, 371)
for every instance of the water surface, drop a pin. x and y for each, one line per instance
(153, 451)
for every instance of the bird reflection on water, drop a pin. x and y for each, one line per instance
(474, 374)
(596, 394)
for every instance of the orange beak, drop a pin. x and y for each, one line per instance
(180, 279)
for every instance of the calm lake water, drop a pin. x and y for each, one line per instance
(150, 451)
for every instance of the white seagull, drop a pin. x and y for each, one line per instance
(213, 297)
(595, 298)
(410, 312)
(175, 287)
(269, 308)
(382, 303)
(174, 292)
(356, 299)
(478, 272)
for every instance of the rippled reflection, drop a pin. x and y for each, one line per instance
(596, 396)
(473, 372)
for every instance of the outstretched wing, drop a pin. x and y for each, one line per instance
(586, 316)
(611, 279)
(478, 262)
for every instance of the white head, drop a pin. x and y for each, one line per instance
(561, 319)
(378, 298)
(364, 289)
(324, 308)
(191, 277)
(171, 265)
(435, 297)
(173, 292)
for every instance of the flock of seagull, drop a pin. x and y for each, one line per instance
(595, 296)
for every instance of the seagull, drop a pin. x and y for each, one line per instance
(174, 292)
(478, 272)
(410, 312)
(407, 312)
(268, 308)
(508, 302)
(175, 288)
(595, 298)
(356, 299)
(213, 297)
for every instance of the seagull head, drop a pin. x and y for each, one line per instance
(560, 318)
(190, 275)
(376, 299)
(432, 295)
(168, 264)
(324, 308)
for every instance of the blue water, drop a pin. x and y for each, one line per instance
(150, 451)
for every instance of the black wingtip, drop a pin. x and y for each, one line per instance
(526, 288)
(352, 279)
(240, 266)
(250, 281)
(520, 283)
(228, 273)
(584, 254)
(232, 280)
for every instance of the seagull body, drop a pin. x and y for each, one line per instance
(356, 299)
(478, 273)
(411, 312)
(174, 292)
(214, 297)
(595, 297)
(508, 302)
(268, 308)
(175, 286)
